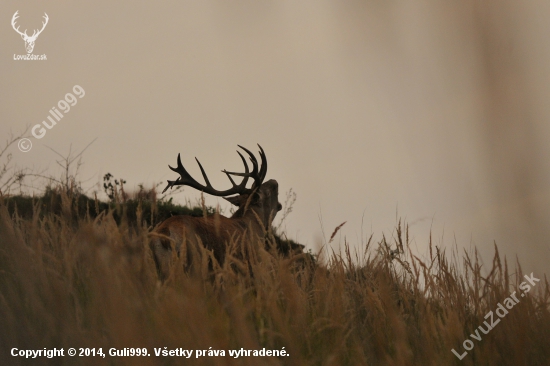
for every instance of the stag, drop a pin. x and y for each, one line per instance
(257, 207)
(29, 40)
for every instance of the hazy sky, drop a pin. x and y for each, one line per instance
(433, 111)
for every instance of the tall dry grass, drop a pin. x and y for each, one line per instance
(93, 283)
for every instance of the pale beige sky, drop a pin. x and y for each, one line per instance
(437, 110)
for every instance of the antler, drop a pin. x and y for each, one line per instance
(35, 34)
(13, 19)
(186, 179)
(258, 177)
(43, 26)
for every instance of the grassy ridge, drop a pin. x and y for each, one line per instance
(70, 280)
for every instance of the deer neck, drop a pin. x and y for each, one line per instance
(251, 217)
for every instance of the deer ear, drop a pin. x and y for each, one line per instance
(237, 200)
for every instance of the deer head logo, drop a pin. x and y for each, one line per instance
(29, 40)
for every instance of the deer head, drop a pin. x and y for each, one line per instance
(262, 198)
(29, 40)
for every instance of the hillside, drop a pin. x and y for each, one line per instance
(78, 273)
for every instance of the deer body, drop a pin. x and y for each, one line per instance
(251, 222)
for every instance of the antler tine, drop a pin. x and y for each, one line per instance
(170, 184)
(13, 19)
(184, 179)
(252, 158)
(257, 176)
(46, 18)
(246, 173)
(263, 169)
(204, 174)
